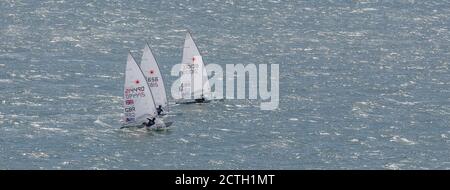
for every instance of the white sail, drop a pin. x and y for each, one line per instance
(138, 101)
(200, 79)
(190, 49)
(186, 81)
(155, 81)
(194, 79)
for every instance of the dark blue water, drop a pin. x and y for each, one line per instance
(363, 84)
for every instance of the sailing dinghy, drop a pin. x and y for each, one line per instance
(138, 102)
(194, 86)
(152, 73)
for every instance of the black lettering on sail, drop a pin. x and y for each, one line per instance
(130, 109)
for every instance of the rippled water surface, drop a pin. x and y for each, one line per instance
(363, 84)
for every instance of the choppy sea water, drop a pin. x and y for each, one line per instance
(363, 84)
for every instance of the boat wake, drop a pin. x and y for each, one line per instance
(101, 123)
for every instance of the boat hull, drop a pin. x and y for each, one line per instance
(156, 127)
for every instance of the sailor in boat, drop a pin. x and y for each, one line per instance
(200, 100)
(159, 110)
(149, 123)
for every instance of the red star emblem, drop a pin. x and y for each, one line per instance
(137, 81)
(152, 72)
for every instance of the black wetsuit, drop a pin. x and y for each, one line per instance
(159, 110)
(200, 100)
(150, 122)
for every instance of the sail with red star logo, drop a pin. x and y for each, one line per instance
(138, 103)
(194, 78)
(155, 81)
